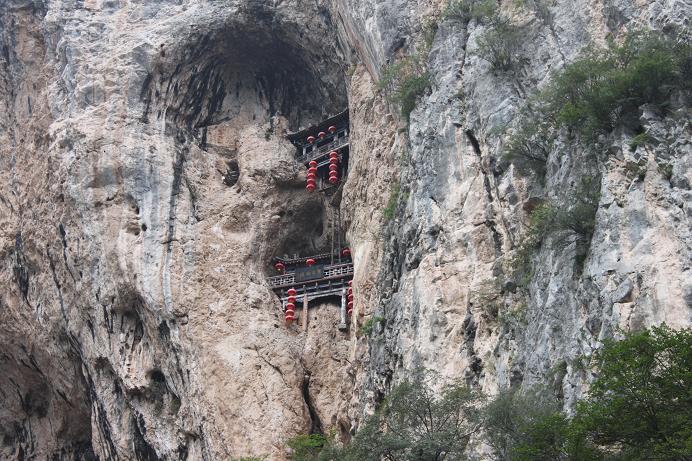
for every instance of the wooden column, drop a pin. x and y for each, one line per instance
(305, 312)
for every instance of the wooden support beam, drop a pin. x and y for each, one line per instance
(305, 312)
(342, 325)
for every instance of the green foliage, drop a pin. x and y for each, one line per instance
(369, 326)
(666, 169)
(637, 409)
(592, 95)
(306, 447)
(488, 296)
(499, 45)
(541, 8)
(466, 10)
(414, 423)
(641, 403)
(526, 426)
(641, 139)
(404, 81)
(575, 222)
(390, 209)
(175, 404)
(637, 169)
(511, 318)
(429, 31)
(529, 147)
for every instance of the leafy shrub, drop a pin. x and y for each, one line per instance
(640, 406)
(390, 209)
(576, 222)
(466, 10)
(666, 169)
(404, 81)
(414, 423)
(526, 426)
(641, 139)
(595, 93)
(541, 8)
(369, 326)
(636, 169)
(511, 318)
(306, 447)
(592, 95)
(529, 148)
(499, 45)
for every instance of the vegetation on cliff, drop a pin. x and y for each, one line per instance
(596, 93)
(638, 408)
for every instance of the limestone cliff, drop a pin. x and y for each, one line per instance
(145, 183)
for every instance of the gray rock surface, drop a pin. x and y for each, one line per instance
(135, 320)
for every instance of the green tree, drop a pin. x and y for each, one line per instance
(526, 426)
(640, 406)
(306, 447)
(593, 94)
(416, 424)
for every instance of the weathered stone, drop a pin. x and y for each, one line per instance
(145, 183)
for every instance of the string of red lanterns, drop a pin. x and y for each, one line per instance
(291, 305)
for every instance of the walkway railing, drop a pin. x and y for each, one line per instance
(336, 271)
(325, 149)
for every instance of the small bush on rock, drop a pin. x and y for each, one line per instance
(306, 447)
(415, 423)
(466, 10)
(576, 223)
(405, 81)
(369, 326)
(594, 94)
(500, 44)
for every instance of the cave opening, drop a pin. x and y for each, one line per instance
(247, 73)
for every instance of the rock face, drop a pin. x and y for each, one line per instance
(145, 183)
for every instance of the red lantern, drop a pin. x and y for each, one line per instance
(279, 266)
(311, 139)
(291, 292)
(321, 134)
(350, 297)
(290, 306)
(312, 169)
(346, 252)
(313, 164)
(310, 187)
(311, 176)
(333, 154)
(333, 180)
(332, 129)
(350, 283)
(350, 307)
(310, 262)
(333, 168)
